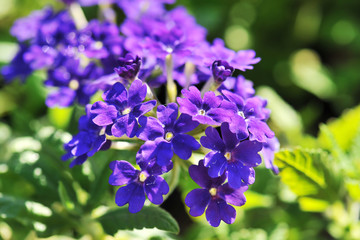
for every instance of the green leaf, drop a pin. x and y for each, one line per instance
(26, 212)
(308, 173)
(65, 198)
(343, 129)
(60, 117)
(353, 188)
(313, 204)
(148, 217)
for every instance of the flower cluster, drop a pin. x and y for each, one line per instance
(139, 67)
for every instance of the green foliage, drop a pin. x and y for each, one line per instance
(148, 217)
(307, 173)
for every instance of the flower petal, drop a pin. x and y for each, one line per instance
(212, 140)
(137, 92)
(167, 114)
(247, 153)
(183, 145)
(185, 124)
(217, 163)
(164, 153)
(228, 137)
(233, 196)
(155, 187)
(197, 200)
(123, 173)
(213, 213)
(105, 114)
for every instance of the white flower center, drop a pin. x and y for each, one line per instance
(74, 84)
(126, 111)
(241, 114)
(169, 136)
(213, 192)
(142, 177)
(98, 45)
(201, 112)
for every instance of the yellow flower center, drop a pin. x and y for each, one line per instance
(142, 177)
(169, 136)
(74, 84)
(126, 111)
(213, 192)
(227, 156)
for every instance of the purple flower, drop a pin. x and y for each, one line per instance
(248, 118)
(129, 67)
(221, 70)
(39, 57)
(169, 133)
(27, 28)
(239, 85)
(17, 67)
(72, 82)
(100, 40)
(270, 147)
(134, 9)
(207, 110)
(87, 142)
(138, 183)
(122, 108)
(241, 60)
(213, 196)
(228, 154)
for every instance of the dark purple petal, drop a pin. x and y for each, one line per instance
(212, 140)
(155, 187)
(259, 130)
(227, 212)
(270, 147)
(185, 124)
(228, 137)
(167, 114)
(213, 213)
(194, 96)
(208, 120)
(123, 173)
(187, 107)
(137, 92)
(132, 194)
(233, 196)
(105, 114)
(216, 162)
(211, 100)
(121, 126)
(234, 98)
(199, 173)
(164, 153)
(143, 108)
(98, 144)
(220, 115)
(238, 125)
(197, 200)
(183, 145)
(78, 160)
(247, 153)
(150, 128)
(117, 94)
(63, 97)
(238, 173)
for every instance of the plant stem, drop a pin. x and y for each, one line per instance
(78, 15)
(170, 85)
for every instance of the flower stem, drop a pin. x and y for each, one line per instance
(78, 15)
(174, 177)
(170, 85)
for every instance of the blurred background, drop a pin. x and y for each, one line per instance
(309, 72)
